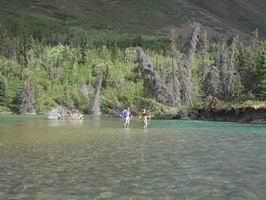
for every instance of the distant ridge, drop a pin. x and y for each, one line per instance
(161, 17)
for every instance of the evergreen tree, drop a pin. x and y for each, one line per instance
(105, 77)
(114, 52)
(138, 42)
(2, 91)
(68, 38)
(83, 49)
(24, 45)
(261, 74)
(246, 68)
(239, 88)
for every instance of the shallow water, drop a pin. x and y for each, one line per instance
(97, 159)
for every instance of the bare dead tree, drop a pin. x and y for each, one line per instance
(94, 107)
(232, 71)
(212, 83)
(153, 82)
(223, 85)
(175, 71)
(27, 100)
(204, 55)
(219, 66)
(188, 52)
(84, 90)
(255, 39)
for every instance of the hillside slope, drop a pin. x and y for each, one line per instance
(244, 15)
(142, 16)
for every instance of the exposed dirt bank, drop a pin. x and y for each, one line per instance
(242, 115)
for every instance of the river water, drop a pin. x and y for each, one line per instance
(98, 159)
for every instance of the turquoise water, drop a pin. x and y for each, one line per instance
(98, 159)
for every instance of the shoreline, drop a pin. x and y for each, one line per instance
(239, 115)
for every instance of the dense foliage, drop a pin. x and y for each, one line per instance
(64, 72)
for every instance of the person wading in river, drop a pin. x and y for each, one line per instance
(145, 116)
(212, 107)
(126, 114)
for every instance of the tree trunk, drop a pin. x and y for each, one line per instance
(94, 107)
(153, 83)
(27, 100)
(186, 70)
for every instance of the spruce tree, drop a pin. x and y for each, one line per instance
(24, 45)
(2, 91)
(246, 68)
(239, 88)
(138, 41)
(83, 48)
(261, 74)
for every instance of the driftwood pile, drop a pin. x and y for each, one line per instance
(62, 113)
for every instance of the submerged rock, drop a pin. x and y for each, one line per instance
(62, 113)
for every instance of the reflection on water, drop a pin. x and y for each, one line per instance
(59, 123)
(98, 159)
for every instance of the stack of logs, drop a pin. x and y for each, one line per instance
(62, 113)
(72, 114)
